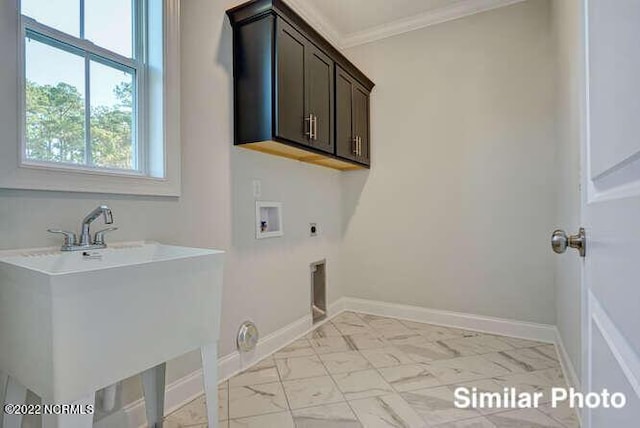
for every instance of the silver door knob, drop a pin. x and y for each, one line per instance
(560, 241)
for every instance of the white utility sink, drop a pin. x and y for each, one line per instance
(72, 323)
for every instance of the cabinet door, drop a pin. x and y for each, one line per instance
(361, 121)
(345, 143)
(290, 84)
(319, 84)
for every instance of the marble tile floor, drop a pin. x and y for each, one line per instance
(359, 370)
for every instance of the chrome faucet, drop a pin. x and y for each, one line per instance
(105, 211)
(71, 242)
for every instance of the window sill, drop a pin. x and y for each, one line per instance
(38, 177)
(81, 169)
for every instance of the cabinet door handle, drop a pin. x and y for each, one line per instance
(310, 132)
(315, 127)
(313, 122)
(359, 146)
(354, 145)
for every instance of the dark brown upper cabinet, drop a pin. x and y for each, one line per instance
(287, 93)
(291, 123)
(352, 118)
(319, 68)
(304, 81)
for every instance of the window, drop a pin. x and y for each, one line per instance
(96, 107)
(85, 70)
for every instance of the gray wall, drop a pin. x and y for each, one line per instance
(567, 17)
(457, 209)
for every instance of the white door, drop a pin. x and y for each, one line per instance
(611, 209)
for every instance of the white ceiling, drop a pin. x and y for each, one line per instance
(348, 23)
(351, 16)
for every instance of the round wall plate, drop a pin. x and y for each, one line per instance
(247, 336)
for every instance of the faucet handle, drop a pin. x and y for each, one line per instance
(99, 237)
(69, 237)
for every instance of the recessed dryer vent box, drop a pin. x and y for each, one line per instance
(268, 219)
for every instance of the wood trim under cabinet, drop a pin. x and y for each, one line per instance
(291, 152)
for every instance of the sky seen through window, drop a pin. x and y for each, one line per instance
(108, 23)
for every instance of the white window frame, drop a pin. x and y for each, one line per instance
(158, 125)
(92, 52)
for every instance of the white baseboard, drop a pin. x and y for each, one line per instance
(568, 370)
(177, 394)
(235, 362)
(336, 307)
(500, 326)
(505, 327)
(190, 387)
(567, 366)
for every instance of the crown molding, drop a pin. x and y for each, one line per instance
(448, 13)
(317, 20)
(460, 9)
